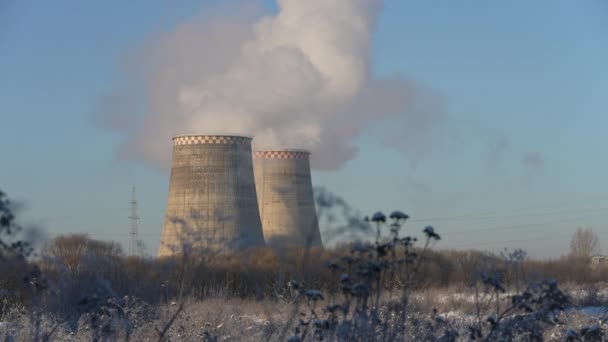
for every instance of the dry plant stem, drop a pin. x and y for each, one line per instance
(162, 333)
(47, 336)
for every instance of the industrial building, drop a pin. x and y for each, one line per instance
(285, 197)
(212, 202)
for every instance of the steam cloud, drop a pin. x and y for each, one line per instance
(297, 79)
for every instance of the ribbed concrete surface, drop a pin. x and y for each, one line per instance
(212, 200)
(285, 197)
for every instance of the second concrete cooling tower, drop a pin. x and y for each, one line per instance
(212, 200)
(285, 197)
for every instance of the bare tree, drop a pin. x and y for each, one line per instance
(9, 245)
(74, 251)
(584, 243)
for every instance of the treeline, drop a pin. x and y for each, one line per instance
(76, 273)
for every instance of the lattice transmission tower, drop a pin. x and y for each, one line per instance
(134, 233)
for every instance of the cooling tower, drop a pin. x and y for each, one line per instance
(285, 198)
(212, 201)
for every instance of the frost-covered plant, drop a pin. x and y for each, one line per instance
(365, 309)
(375, 302)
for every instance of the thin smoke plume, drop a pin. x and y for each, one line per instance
(300, 78)
(533, 161)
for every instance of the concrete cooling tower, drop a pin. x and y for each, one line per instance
(284, 190)
(212, 201)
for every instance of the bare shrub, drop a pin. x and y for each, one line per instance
(584, 243)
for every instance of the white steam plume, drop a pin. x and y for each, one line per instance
(297, 79)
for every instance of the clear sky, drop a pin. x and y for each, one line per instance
(520, 160)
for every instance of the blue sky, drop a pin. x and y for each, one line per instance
(515, 79)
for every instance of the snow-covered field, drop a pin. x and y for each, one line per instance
(250, 320)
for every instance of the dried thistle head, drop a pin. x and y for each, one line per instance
(429, 231)
(398, 216)
(379, 217)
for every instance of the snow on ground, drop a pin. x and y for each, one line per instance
(594, 311)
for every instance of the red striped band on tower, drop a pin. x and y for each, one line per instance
(210, 139)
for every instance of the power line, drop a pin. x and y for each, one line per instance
(504, 213)
(473, 218)
(536, 238)
(525, 225)
(519, 226)
(114, 211)
(488, 215)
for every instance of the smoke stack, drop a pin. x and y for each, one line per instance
(285, 198)
(212, 201)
